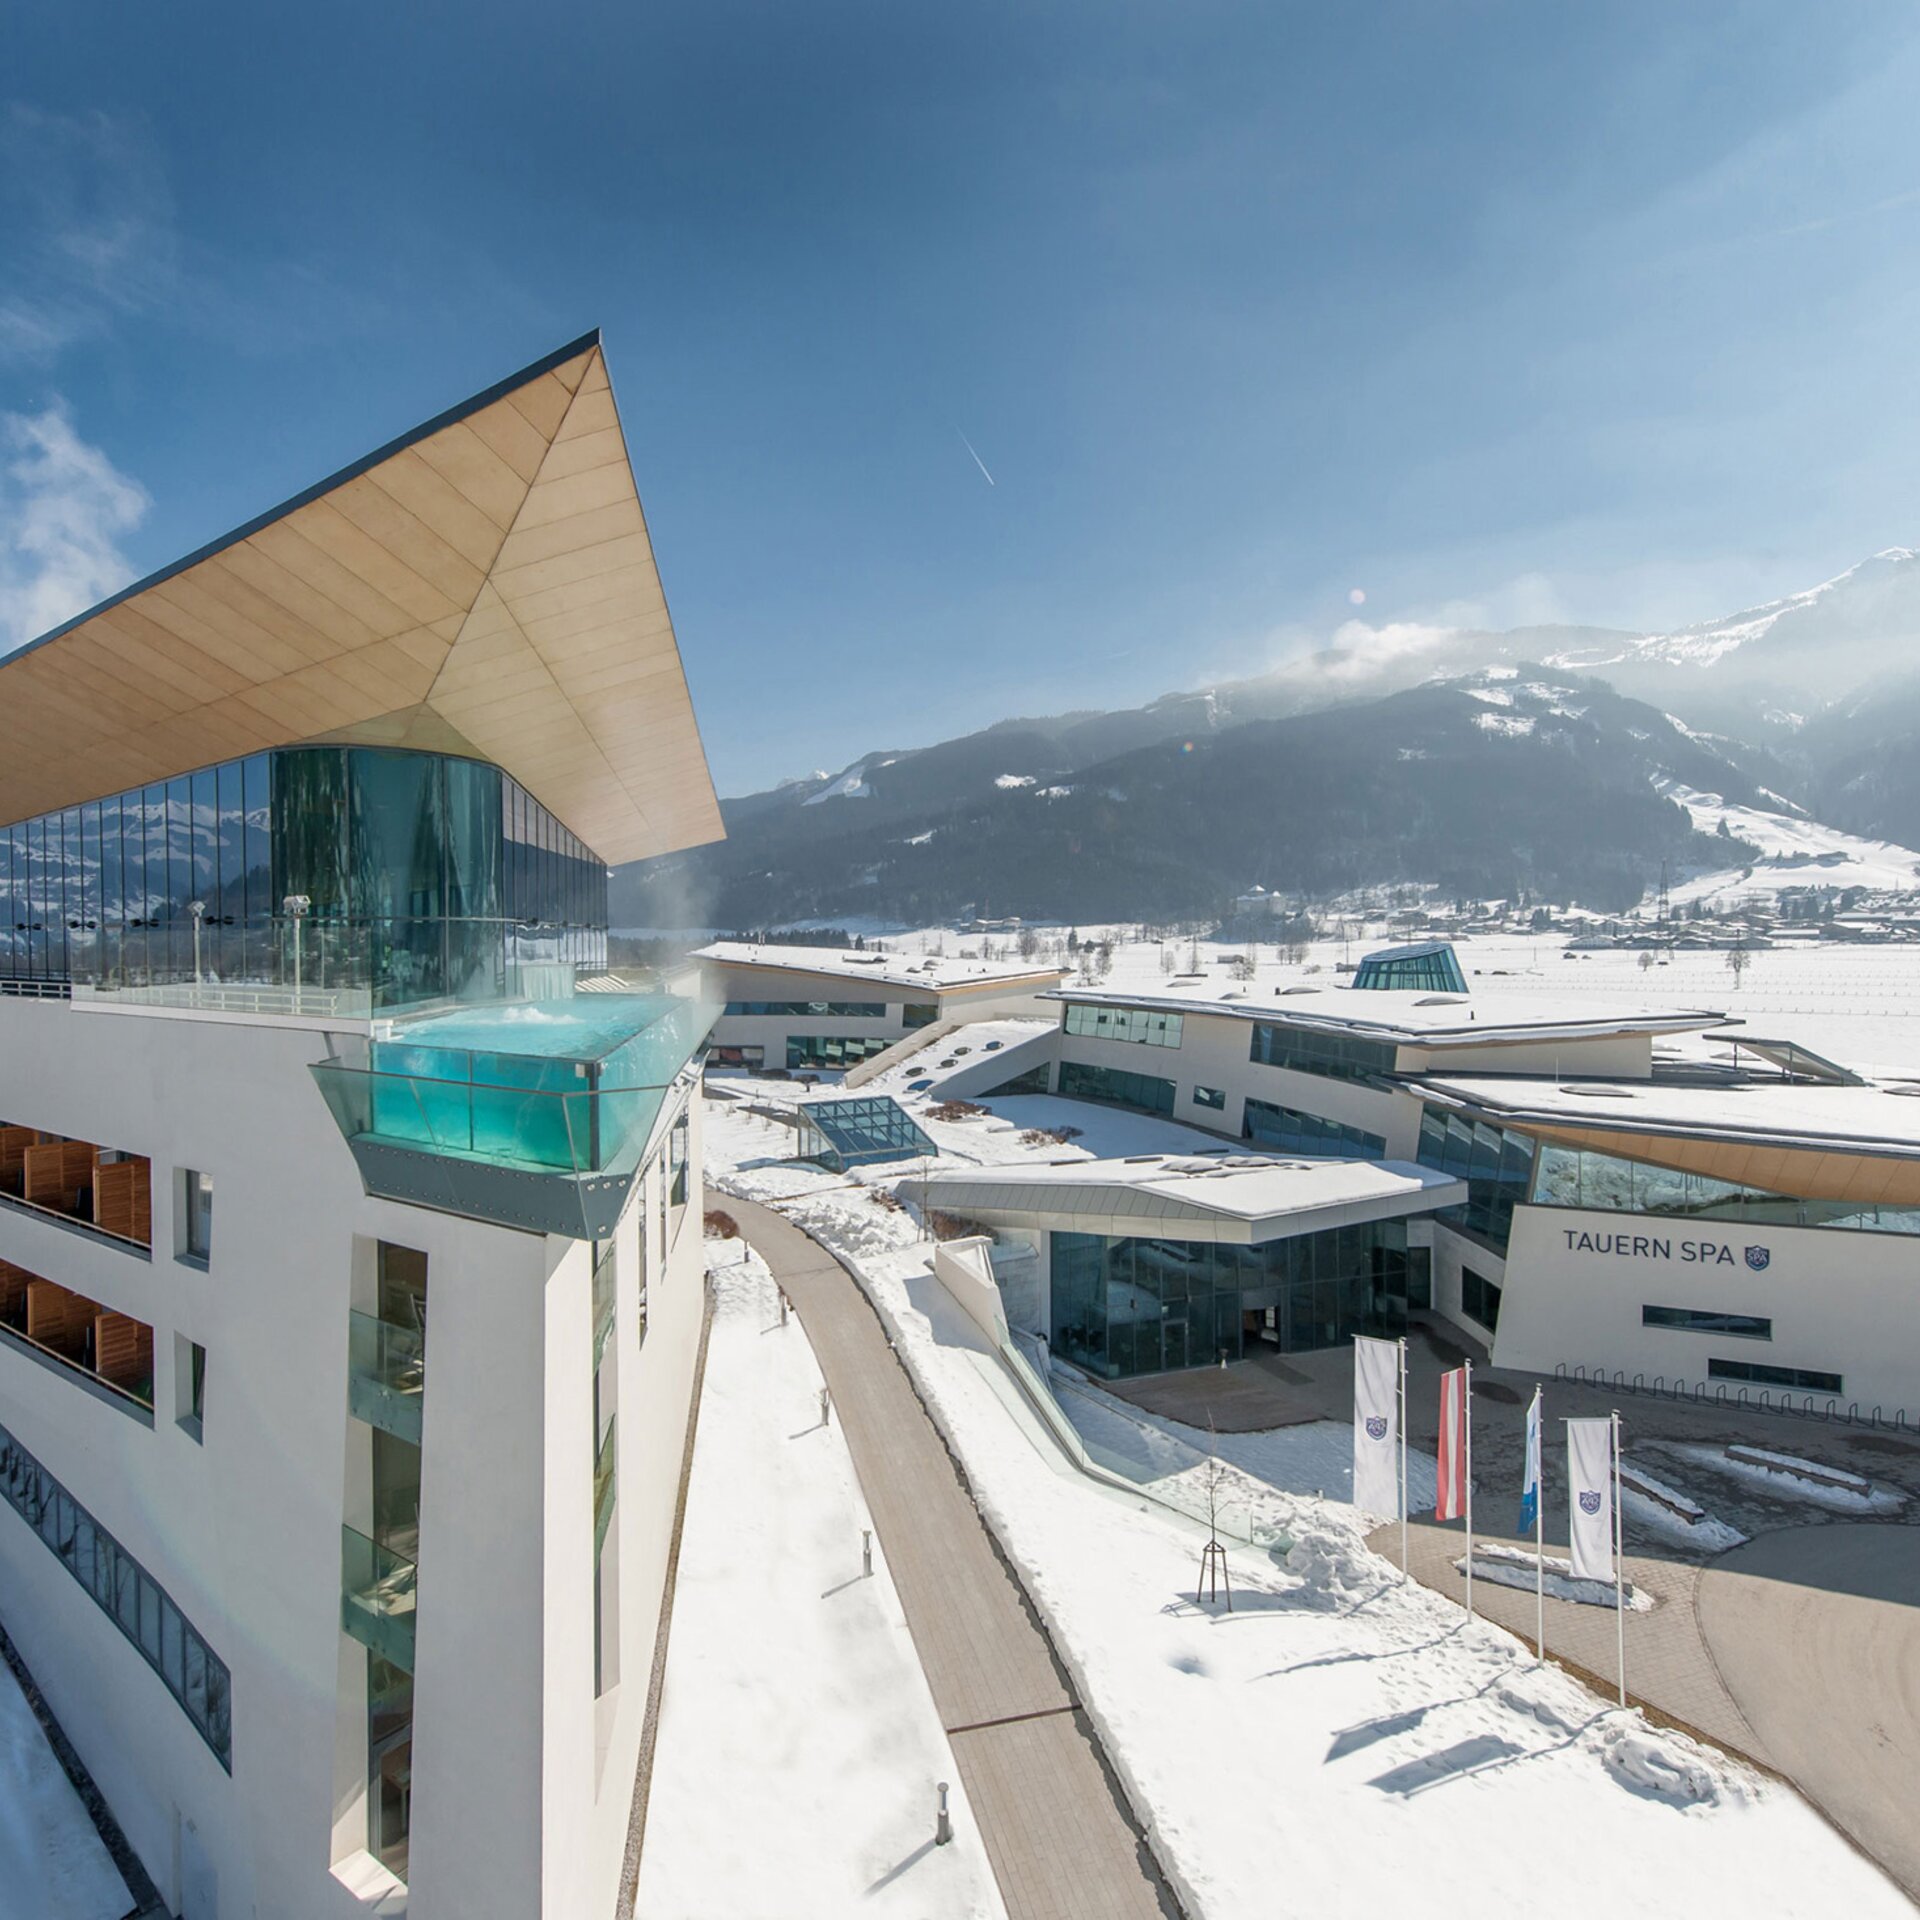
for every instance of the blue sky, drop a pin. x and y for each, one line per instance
(1490, 312)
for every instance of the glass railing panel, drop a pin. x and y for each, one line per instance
(377, 1595)
(603, 1298)
(386, 1374)
(603, 1487)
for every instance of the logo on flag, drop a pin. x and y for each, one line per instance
(1376, 1427)
(1757, 1258)
(1589, 1503)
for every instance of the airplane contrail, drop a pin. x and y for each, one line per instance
(977, 461)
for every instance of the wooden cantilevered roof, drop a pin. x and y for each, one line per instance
(484, 585)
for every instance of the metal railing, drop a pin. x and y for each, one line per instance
(1736, 1398)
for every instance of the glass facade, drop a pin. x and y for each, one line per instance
(1081, 1082)
(1296, 1132)
(126, 1593)
(1334, 1056)
(812, 1009)
(1428, 968)
(1480, 1298)
(831, 1052)
(1139, 1024)
(1608, 1183)
(1495, 1162)
(424, 877)
(1125, 1306)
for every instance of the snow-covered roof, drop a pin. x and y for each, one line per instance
(1413, 1018)
(1238, 1198)
(1858, 1119)
(937, 973)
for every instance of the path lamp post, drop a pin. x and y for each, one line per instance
(198, 909)
(296, 907)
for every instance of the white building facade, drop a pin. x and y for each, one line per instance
(351, 1288)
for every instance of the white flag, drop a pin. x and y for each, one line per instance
(1376, 1427)
(1590, 1498)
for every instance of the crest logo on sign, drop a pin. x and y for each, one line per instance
(1757, 1258)
(1376, 1426)
(1589, 1503)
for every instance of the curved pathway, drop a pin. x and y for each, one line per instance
(1062, 1844)
(1816, 1634)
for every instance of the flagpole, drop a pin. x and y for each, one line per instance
(1403, 1458)
(1539, 1532)
(1466, 1420)
(1619, 1565)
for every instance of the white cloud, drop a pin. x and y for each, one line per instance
(64, 508)
(1360, 651)
(86, 227)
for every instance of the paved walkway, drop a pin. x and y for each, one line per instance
(1056, 1829)
(1816, 1631)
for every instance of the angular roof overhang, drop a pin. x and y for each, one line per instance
(484, 585)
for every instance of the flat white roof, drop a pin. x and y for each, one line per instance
(1241, 1198)
(1407, 1017)
(937, 973)
(1864, 1119)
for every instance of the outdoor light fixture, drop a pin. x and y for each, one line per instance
(296, 907)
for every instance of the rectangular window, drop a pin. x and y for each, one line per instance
(679, 1149)
(189, 1386)
(1213, 1098)
(1796, 1379)
(919, 1013)
(196, 1194)
(1749, 1326)
(1334, 1056)
(1479, 1299)
(1081, 1082)
(1141, 1025)
(1295, 1132)
(831, 1053)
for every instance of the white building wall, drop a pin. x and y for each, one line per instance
(1451, 1252)
(1841, 1301)
(522, 1784)
(1617, 1056)
(1216, 1051)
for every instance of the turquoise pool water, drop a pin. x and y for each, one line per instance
(583, 1029)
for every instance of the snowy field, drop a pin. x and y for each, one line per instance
(1340, 1739)
(53, 1865)
(799, 1745)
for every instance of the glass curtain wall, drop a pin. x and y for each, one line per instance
(1495, 1162)
(424, 878)
(1606, 1182)
(1127, 1306)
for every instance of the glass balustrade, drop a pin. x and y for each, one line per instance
(377, 1597)
(603, 1484)
(386, 1372)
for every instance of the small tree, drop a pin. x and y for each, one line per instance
(1646, 958)
(1738, 960)
(1167, 962)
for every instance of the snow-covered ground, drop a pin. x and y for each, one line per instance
(1340, 1741)
(799, 1746)
(53, 1865)
(1786, 1477)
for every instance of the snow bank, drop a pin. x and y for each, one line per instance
(1504, 1566)
(799, 1745)
(1787, 1477)
(53, 1863)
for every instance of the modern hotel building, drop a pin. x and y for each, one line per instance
(1736, 1214)
(350, 1279)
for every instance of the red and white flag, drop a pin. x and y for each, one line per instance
(1451, 1503)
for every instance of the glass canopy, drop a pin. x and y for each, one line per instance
(857, 1133)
